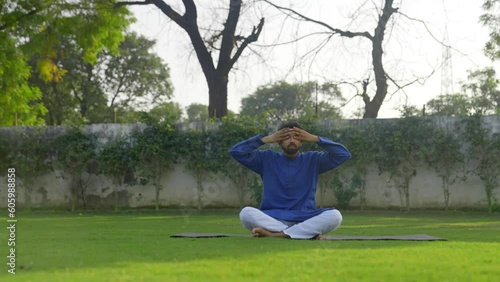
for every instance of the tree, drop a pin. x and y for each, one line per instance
(101, 92)
(19, 103)
(31, 156)
(198, 158)
(31, 28)
(168, 111)
(284, 100)
(197, 112)
(136, 77)
(491, 19)
(226, 43)
(157, 152)
(75, 98)
(75, 150)
(117, 160)
(483, 91)
(481, 95)
(372, 105)
(362, 143)
(454, 105)
(482, 154)
(445, 156)
(402, 146)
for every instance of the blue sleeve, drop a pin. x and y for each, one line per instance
(335, 155)
(246, 153)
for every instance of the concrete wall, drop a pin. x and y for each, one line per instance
(52, 190)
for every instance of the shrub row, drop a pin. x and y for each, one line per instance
(395, 146)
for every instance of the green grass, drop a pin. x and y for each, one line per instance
(135, 246)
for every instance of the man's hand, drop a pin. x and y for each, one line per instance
(295, 133)
(278, 136)
(304, 136)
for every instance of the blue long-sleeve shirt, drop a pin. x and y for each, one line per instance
(289, 184)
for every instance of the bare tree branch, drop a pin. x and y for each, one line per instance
(431, 34)
(251, 38)
(343, 33)
(131, 3)
(292, 41)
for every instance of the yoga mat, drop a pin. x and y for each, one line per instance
(415, 237)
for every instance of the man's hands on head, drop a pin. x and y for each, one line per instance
(287, 132)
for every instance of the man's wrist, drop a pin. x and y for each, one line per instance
(265, 139)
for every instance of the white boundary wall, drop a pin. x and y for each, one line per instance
(180, 186)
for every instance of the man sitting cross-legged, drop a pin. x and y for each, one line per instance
(288, 206)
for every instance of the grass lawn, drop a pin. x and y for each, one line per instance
(135, 246)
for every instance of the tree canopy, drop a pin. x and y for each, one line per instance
(284, 100)
(491, 19)
(480, 95)
(31, 28)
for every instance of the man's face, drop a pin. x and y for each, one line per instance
(291, 145)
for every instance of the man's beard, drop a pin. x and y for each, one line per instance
(291, 149)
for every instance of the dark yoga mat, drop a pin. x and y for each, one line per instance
(415, 237)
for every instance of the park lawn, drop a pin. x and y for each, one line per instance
(135, 246)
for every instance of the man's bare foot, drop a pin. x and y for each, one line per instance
(317, 237)
(261, 232)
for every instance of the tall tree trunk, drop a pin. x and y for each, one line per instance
(216, 76)
(372, 107)
(217, 105)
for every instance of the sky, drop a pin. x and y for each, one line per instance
(412, 51)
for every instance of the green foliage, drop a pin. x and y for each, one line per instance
(483, 91)
(197, 112)
(18, 97)
(166, 112)
(344, 193)
(36, 29)
(446, 157)
(199, 157)
(396, 146)
(481, 95)
(157, 151)
(410, 111)
(483, 154)
(75, 150)
(291, 101)
(453, 105)
(491, 19)
(362, 143)
(402, 146)
(31, 157)
(109, 90)
(256, 188)
(117, 160)
(6, 144)
(231, 131)
(136, 77)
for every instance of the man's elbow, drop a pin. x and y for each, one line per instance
(346, 156)
(235, 154)
(232, 153)
(349, 155)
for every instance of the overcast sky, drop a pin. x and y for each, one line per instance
(410, 50)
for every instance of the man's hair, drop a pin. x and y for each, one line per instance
(289, 124)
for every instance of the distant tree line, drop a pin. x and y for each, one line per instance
(77, 63)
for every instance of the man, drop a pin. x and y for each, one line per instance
(288, 206)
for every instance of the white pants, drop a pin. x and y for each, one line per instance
(325, 222)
